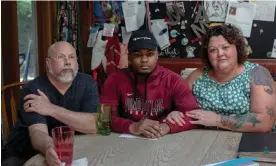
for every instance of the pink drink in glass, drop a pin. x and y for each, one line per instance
(63, 138)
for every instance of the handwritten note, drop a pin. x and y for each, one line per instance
(171, 52)
(265, 11)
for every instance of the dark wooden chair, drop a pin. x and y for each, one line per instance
(9, 101)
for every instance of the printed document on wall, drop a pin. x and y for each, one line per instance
(134, 14)
(265, 10)
(241, 15)
(125, 35)
(273, 53)
(160, 31)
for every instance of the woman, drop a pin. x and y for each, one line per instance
(233, 94)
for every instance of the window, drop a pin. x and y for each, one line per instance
(26, 15)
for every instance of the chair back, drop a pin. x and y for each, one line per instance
(9, 102)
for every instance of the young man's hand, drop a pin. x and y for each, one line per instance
(146, 127)
(165, 129)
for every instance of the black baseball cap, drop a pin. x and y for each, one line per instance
(142, 39)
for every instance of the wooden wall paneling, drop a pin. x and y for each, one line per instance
(9, 38)
(177, 65)
(270, 64)
(86, 20)
(46, 30)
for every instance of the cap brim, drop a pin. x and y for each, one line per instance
(143, 46)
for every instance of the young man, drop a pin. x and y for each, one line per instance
(61, 97)
(144, 95)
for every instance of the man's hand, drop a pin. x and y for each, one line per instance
(165, 129)
(146, 127)
(52, 157)
(175, 117)
(38, 103)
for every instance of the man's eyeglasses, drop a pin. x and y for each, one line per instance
(63, 57)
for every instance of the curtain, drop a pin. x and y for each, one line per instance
(68, 25)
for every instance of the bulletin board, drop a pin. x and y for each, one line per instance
(260, 43)
(176, 49)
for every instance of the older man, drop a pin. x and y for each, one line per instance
(61, 97)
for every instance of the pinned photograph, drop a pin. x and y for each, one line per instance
(232, 11)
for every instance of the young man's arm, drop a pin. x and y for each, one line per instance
(111, 96)
(119, 124)
(184, 102)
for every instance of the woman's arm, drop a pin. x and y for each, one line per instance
(193, 76)
(262, 115)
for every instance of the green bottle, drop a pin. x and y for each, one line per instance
(104, 119)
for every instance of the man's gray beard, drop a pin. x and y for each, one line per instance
(64, 77)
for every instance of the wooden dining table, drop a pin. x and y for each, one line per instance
(189, 148)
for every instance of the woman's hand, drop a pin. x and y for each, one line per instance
(205, 118)
(175, 117)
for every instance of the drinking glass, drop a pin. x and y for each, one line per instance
(104, 119)
(63, 138)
